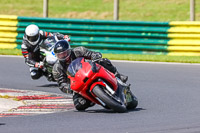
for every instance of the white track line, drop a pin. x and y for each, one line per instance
(125, 61)
(13, 56)
(151, 62)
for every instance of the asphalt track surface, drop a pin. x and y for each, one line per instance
(168, 94)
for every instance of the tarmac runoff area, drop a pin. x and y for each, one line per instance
(25, 102)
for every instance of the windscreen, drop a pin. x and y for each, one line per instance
(49, 43)
(74, 67)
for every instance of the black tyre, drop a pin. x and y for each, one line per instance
(108, 100)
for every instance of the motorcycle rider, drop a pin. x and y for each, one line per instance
(65, 56)
(30, 47)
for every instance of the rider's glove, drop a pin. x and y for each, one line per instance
(66, 88)
(66, 37)
(96, 56)
(39, 64)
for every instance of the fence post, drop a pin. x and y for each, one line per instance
(192, 10)
(45, 8)
(116, 9)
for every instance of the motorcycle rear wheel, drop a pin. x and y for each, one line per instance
(109, 101)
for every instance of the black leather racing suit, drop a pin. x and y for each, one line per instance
(60, 69)
(31, 53)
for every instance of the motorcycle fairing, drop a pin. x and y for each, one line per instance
(84, 76)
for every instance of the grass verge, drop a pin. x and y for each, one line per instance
(136, 10)
(10, 52)
(130, 57)
(154, 58)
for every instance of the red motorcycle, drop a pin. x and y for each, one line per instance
(97, 84)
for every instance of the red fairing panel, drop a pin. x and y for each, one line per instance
(85, 80)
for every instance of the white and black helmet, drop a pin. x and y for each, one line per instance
(32, 34)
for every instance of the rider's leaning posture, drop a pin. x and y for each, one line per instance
(30, 47)
(65, 56)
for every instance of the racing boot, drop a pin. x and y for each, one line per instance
(122, 77)
(81, 103)
(49, 76)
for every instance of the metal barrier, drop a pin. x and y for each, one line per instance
(121, 37)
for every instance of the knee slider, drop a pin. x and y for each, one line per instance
(35, 75)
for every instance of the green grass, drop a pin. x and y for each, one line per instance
(137, 10)
(10, 52)
(134, 10)
(130, 57)
(154, 58)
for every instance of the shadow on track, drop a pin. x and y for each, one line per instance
(108, 111)
(48, 85)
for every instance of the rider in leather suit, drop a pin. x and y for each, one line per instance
(65, 56)
(30, 47)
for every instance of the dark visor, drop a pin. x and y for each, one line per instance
(33, 38)
(63, 55)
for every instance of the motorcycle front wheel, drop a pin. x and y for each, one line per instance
(108, 100)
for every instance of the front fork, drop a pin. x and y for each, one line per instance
(119, 94)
